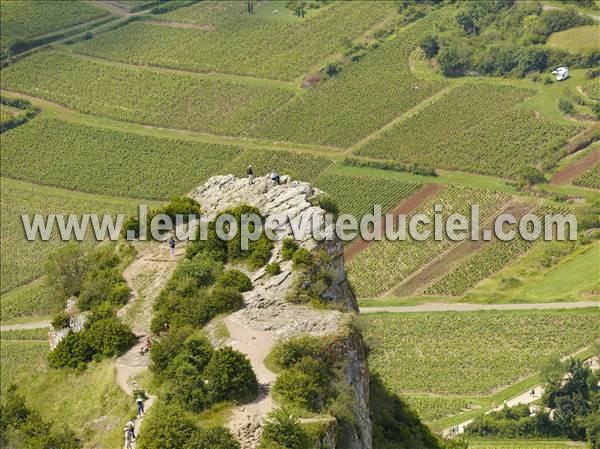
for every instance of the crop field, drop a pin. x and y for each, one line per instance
(235, 42)
(473, 128)
(23, 260)
(472, 353)
(305, 167)
(141, 95)
(39, 334)
(590, 178)
(526, 444)
(385, 263)
(365, 96)
(28, 19)
(356, 195)
(18, 358)
(592, 88)
(109, 162)
(431, 408)
(28, 301)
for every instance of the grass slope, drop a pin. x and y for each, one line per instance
(576, 40)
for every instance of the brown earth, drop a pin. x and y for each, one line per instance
(571, 171)
(452, 258)
(404, 207)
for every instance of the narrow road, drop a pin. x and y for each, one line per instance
(464, 307)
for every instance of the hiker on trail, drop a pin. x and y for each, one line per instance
(172, 246)
(275, 177)
(131, 427)
(532, 392)
(140, 405)
(165, 327)
(146, 348)
(128, 438)
(250, 175)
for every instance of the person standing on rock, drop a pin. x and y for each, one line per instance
(250, 175)
(275, 177)
(172, 246)
(140, 405)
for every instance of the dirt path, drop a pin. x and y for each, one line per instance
(447, 261)
(571, 171)
(19, 326)
(146, 276)
(256, 345)
(405, 207)
(464, 307)
(182, 25)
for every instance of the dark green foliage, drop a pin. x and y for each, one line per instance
(273, 269)
(395, 426)
(65, 269)
(283, 431)
(167, 348)
(230, 377)
(289, 352)
(226, 300)
(61, 320)
(168, 427)
(306, 384)
(430, 46)
(390, 165)
(530, 176)
(302, 259)
(288, 247)
(21, 427)
(327, 203)
(234, 279)
(565, 106)
(103, 284)
(103, 337)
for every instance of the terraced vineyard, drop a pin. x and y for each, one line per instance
(472, 353)
(110, 162)
(17, 358)
(305, 167)
(590, 178)
(592, 88)
(356, 195)
(385, 263)
(473, 128)
(431, 408)
(23, 260)
(27, 19)
(28, 301)
(143, 96)
(235, 42)
(361, 99)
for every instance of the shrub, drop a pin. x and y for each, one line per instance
(287, 353)
(430, 46)
(65, 269)
(327, 203)
(225, 300)
(282, 430)
(234, 279)
(302, 259)
(202, 269)
(167, 348)
(74, 350)
(109, 336)
(530, 176)
(273, 269)
(565, 106)
(230, 377)
(305, 384)
(61, 320)
(167, 427)
(103, 284)
(288, 247)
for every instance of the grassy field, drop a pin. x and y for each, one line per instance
(109, 162)
(472, 353)
(235, 42)
(141, 95)
(385, 263)
(28, 19)
(365, 96)
(23, 260)
(576, 40)
(20, 359)
(475, 127)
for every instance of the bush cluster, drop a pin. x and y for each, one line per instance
(390, 165)
(283, 430)
(21, 427)
(314, 279)
(196, 376)
(288, 247)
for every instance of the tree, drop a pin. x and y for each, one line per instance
(65, 269)
(451, 61)
(230, 377)
(430, 46)
(283, 431)
(565, 106)
(530, 176)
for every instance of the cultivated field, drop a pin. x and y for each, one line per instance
(590, 178)
(234, 42)
(141, 95)
(19, 358)
(476, 128)
(23, 260)
(29, 300)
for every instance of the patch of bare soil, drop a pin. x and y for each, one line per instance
(313, 79)
(183, 25)
(570, 172)
(405, 207)
(449, 260)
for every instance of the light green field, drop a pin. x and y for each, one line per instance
(29, 300)
(23, 261)
(20, 359)
(576, 40)
(28, 19)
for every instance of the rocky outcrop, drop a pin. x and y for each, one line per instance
(76, 324)
(268, 312)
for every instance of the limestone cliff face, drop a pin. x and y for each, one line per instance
(268, 310)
